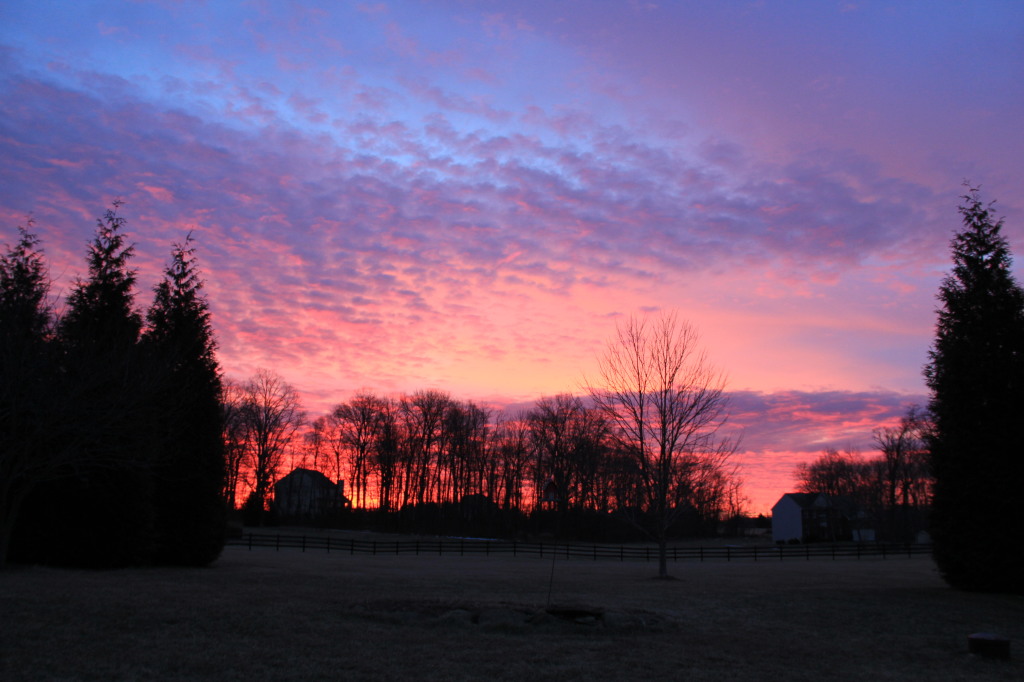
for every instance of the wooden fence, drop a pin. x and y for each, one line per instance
(464, 547)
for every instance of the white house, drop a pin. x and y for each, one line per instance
(801, 517)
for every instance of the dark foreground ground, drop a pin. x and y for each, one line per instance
(264, 615)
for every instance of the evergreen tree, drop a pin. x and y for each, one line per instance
(101, 318)
(976, 376)
(25, 375)
(25, 314)
(104, 514)
(190, 467)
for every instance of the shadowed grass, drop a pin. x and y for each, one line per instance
(293, 615)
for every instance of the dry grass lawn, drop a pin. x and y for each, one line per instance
(264, 615)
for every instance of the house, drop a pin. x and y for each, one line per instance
(307, 494)
(808, 517)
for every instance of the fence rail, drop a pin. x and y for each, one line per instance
(463, 547)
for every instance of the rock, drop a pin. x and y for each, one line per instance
(988, 645)
(460, 617)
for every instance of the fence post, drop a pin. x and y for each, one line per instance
(250, 542)
(303, 543)
(374, 548)
(417, 548)
(702, 553)
(396, 547)
(513, 548)
(728, 553)
(755, 553)
(278, 544)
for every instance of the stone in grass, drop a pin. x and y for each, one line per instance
(988, 645)
(458, 617)
(581, 615)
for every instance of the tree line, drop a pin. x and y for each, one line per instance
(890, 492)
(111, 450)
(428, 448)
(644, 444)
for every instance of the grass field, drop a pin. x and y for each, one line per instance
(264, 615)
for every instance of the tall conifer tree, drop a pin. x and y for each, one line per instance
(105, 511)
(190, 468)
(25, 378)
(976, 376)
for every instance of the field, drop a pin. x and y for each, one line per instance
(266, 615)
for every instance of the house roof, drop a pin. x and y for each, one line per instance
(299, 472)
(803, 500)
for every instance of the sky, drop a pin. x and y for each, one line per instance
(471, 195)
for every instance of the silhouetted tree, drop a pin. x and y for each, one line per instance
(512, 453)
(976, 377)
(422, 420)
(840, 475)
(236, 439)
(668, 404)
(569, 442)
(358, 429)
(464, 451)
(315, 449)
(104, 512)
(189, 470)
(27, 457)
(904, 473)
(386, 454)
(272, 415)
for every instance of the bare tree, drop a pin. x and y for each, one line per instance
(315, 444)
(569, 440)
(551, 422)
(668, 404)
(272, 416)
(464, 456)
(840, 475)
(904, 460)
(511, 452)
(359, 426)
(236, 438)
(386, 455)
(423, 421)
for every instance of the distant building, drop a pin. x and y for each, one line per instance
(809, 517)
(308, 495)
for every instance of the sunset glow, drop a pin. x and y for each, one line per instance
(470, 195)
